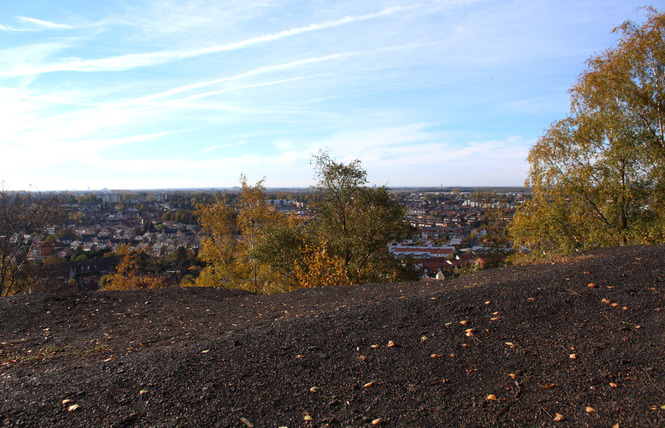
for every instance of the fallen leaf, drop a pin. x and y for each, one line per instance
(491, 397)
(298, 356)
(362, 358)
(572, 356)
(465, 322)
(65, 402)
(512, 375)
(488, 302)
(558, 417)
(423, 339)
(469, 334)
(614, 305)
(73, 407)
(591, 285)
(308, 418)
(511, 344)
(625, 308)
(590, 409)
(314, 389)
(494, 319)
(374, 346)
(368, 384)
(550, 385)
(247, 423)
(615, 426)
(532, 299)
(377, 421)
(435, 356)
(613, 385)
(143, 392)
(206, 351)
(495, 313)
(452, 355)
(662, 407)
(605, 301)
(391, 344)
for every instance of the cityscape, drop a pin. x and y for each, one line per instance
(80, 247)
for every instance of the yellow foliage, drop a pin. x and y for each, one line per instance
(318, 268)
(130, 274)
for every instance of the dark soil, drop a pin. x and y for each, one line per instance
(521, 346)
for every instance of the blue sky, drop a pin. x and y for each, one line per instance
(172, 94)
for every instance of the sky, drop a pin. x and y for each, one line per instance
(141, 94)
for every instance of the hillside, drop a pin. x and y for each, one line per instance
(520, 346)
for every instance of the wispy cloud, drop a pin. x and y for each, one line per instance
(224, 146)
(133, 61)
(39, 23)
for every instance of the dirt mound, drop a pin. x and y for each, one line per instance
(571, 344)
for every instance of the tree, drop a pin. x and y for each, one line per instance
(250, 246)
(357, 222)
(23, 222)
(347, 240)
(230, 236)
(598, 175)
(133, 272)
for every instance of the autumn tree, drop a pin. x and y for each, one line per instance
(346, 241)
(133, 272)
(23, 223)
(598, 175)
(230, 236)
(358, 222)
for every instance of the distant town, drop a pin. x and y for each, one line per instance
(81, 247)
